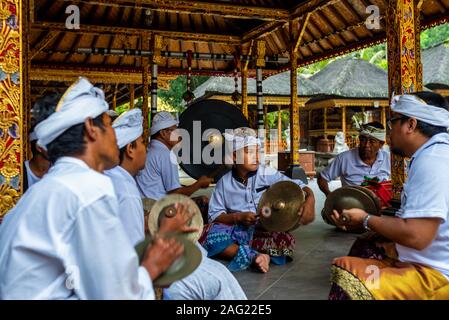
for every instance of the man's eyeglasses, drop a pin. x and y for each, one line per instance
(394, 119)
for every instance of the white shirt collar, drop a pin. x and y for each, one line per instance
(73, 160)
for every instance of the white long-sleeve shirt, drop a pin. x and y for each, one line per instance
(64, 240)
(129, 202)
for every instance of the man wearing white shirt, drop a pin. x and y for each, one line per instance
(64, 239)
(211, 280)
(412, 259)
(160, 175)
(367, 160)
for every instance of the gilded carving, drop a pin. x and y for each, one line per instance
(10, 105)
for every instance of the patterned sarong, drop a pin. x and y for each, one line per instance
(217, 237)
(372, 271)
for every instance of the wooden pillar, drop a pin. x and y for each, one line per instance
(294, 111)
(145, 91)
(15, 96)
(325, 122)
(404, 64)
(343, 121)
(132, 96)
(245, 93)
(280, 147)
(156, 47)
(260, 63)
(265, 126)
(154, 71)
(383, 117)
(114, 98)
(309, 126)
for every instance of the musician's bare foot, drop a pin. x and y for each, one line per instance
(262, 262)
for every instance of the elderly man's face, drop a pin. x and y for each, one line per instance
(368, 147)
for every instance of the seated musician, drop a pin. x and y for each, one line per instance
(160, 175)
(233, 211)
(211, 280)
(367, 160)
(408, 256)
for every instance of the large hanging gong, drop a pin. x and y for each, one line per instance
(212, 114)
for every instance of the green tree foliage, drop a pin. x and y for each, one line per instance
(173, 96)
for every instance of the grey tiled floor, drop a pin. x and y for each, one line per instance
(307, 277)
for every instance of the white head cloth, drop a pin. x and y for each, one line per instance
(242, 137)
(81, 101)
(412, 106)
(370, 131)
(162, 120)
(128, 127)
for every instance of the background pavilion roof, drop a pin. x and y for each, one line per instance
(435, 62)
(352, 77)
(276, 85)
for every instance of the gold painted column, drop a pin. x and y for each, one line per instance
(245, 93)
(132, 96)
(309, 126)
(383, 117)
(343, 121)
(279, 128)
(114, 99)
(294, 111)
(156, 60)
(325, 122)
(404, 65)
(14, 97)
(145, 89)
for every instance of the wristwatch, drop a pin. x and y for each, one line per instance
(365, 222)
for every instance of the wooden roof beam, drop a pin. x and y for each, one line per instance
(309, 7)
(261, 31)
(43, 43)
(199, 7)
(101, 30)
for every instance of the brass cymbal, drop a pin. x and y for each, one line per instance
(165, 208)
(279, 206)
(181, 267)
(348, 198)
(147, 205)
(372, 196)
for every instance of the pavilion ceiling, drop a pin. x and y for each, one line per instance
(219, 27)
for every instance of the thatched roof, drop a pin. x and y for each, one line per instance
(277, 85)
(352, 78)
(222, 85)
(280, 85)
(435, 62)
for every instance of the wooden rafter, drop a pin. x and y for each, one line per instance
(349, 8)
(261, 31)
(301, 32)
(309, 6)
(43, 43)
(199, 7)
(342, 20)
(101, 30)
